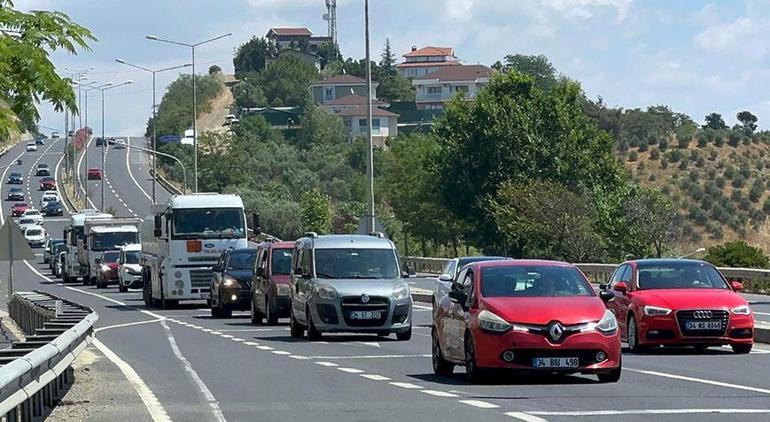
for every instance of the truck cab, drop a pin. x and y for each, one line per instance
(74, 237)
(104, 236)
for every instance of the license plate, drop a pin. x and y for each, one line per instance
(365, 314)
(703, 325)
(555, 362)
(205, 295)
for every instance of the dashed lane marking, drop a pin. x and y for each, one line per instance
(407, 385)
(351, 370)
(584, 413)
(327, 364)
(374, 377)
(438, 393)
(525, 417)
(371, 357)
(281, 352)
(479, 404)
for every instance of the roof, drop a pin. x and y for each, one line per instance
(206, 200)
(431, 51)
(277, 245)
(341, 80)
(458, 73)
(668, 261)
(114, 229)
(353, 100)
(132, 247)
(464, 260)
(361, 111)
(288, 32)
(521, 263)
(80, 218)
(351, 241)
(428, 64)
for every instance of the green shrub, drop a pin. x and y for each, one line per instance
(663, 144)
(720, 182)
(719, 141)
(654, 154)
(713, 154)
(739, 181)
(703, 140)
(642, 147)
(729, 173)
(736, 254)
(674, 156)
(683, 164)
(633, 156)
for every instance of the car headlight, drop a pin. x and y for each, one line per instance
(492, 323)
(282, 289)
(741, 310)
(230, 282)
(326, 292)
(105, 269)
(608, 324)
(400, 291)
(655, 311)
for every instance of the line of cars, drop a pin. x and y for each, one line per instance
(29, 218)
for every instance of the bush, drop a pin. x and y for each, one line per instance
(703, 140)
(766, 206)
(713, 154)
(652, 177)
(654, 154)
(663, 144)
(633, 156)
(736, 196)
(719, 141)
(674, 156)
(642, 147)
(716, 232)
(745, 204)
(757, 189)
(697, 215)
(663, 164)
(720, 182)
(683, 164)
(739, 181)
(736, 254)
(729, 173)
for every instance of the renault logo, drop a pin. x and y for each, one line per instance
(556, 331)
(702, 314)
(364, 298)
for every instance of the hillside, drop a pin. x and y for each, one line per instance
(719, 184)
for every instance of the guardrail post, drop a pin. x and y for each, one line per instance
(37, 405)
(26, 411)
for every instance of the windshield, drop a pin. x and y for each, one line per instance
(241, 260)
(679, 275)
(33, 212)
(533, 281)
(281, 261)
(356, 263)
(209, 223)
(26, 221)
(34, 232)
(111, 256)
(104, 241)
(15, 174)
(133, 257)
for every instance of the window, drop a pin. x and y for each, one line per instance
(348, 124)
(362, 124)
(433, 90)
(679, 275)
(618, 275)
(356, 263)
(281, 261)
(328, 94)
(375, 125)
(450, 268)
(458, 88)
(241, 260)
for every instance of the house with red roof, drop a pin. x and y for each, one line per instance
(434, 89)
(421, 61)
(338, 86)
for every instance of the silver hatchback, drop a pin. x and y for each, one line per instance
(348, 283)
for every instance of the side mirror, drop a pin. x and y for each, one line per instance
(606, 296)
(604, 286)
(736, 285)
(445, 278)
(621, 287)
(458, 296)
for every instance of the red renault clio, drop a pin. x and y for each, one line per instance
(525, 315)
(679, 302)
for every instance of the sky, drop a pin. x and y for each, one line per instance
(694, 56)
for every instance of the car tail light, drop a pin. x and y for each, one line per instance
(194, 246)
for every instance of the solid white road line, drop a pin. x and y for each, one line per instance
(649, 412)
(700, 380)
(129, 324)
(479, 404)
(130, 173)
(762, 313)
(525, 417)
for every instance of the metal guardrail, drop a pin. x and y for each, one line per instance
(35, 373)
(166, 184)
(754, 280)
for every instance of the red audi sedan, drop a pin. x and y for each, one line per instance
(526, 315)
(94, 174)
(679, 302)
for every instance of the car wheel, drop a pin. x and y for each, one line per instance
(312, 332)
(633, 336)
(256, 317)
(122, 289)
(473, 373)
(215, 310)
(296, 330)
(700, 349)
(146, 293)
(404, 335)
(225, 311)
(612, 376)
(741, 349)
(270, 315)
(441, 366)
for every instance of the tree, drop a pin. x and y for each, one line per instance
(285, 81)
(248, 93)
(737, 254)
(388, 61)
(715, 121)
(250, 56)
(27, 74)
(650, 220)
(538, 67)
(316, 212)
(321, 127)
(748, 120)
(328, 53)
(214, 69)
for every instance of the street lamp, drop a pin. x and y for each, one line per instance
(85, 142)
(104, 143)
(163, 154)
(195, 106)
(695, 252)
(154, 117)
(370, 219)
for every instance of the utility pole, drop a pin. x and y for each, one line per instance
(370, 227)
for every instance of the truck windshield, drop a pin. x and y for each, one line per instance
(209, 223)
(281, 261)
(104, 241)
(356, 263)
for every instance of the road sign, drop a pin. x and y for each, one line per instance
(169, 138)
(15, 247)
(362, 226)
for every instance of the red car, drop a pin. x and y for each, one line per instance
(679, 302)
(94, 174)
(18, 209)
(270, 292)
(527, 315)
(108, 273)
(48, 183)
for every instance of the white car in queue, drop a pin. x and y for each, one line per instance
(130, 267)
(31, 147)
(34, 215)
(35, 236)
(48, 196)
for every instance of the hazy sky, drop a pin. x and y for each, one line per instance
(694, 56)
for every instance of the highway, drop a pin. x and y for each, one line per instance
(188, 367)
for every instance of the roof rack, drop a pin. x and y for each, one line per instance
(311, 234)
(380, 235)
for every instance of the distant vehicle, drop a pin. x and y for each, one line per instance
(18, 209)
(108, 269)
(130, 270)
(679, 302)
(43, 170)
(101, 236)
(53, 209)
(55, 135)
(15, 178)
(31, 146)
(270, 285)
(110, 141)
(450, 271)
(33, 214)
(15, 194)
(100, 142)
(348, 283)
(39, 141)
(527, 315)
(94, 174)
(120, 144)
(47, 183)
(57, 259)
(49, 248)
(231, 281)
(48, 197)
(71, 133)
(230, 119)
(35, 236)
(26, 222)
(74, 234)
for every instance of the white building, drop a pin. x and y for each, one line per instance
(425, 60)
(435, 89)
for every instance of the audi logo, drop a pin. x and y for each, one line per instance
(702, 314)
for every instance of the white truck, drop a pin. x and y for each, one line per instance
(74, 237)
(182, 240)
(104, 235)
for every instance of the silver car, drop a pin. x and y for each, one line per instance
(348, 283)
(450, 271)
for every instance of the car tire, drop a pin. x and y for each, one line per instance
(632, 335)
(312, 332)
(741, 349)
(122, 288)
(612, 376)
(473, 373)
(146, 292)
(295, 329)
(256, 316)
(441, 366)
(404, 335)
(270, 315)
(225, 311)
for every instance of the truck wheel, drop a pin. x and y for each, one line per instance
(146, 295)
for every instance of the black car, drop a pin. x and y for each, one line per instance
(15, 178)
(53, 208)
(43, 170)
(100, 142)
(39, 141)
(231, 282)
(16, 194)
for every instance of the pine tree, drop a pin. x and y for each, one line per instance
(388, 59)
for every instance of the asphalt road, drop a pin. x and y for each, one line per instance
(189, 367)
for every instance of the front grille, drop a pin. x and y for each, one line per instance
(200, 278)
(524, 356)
(697, 315)
(375, 303)
(205, 258)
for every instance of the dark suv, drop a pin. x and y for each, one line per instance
(270, 284)
(231, 282)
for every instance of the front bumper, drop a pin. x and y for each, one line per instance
(131, 281)
(527, 346)
(238, 298)
(335, 315)
(16, 198)
(36, 243)
(668, 331)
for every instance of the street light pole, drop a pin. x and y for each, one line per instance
(105, 144)
(195, 105)
(370, 226)
(154, 113)
(88, 87)
(163, 154)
